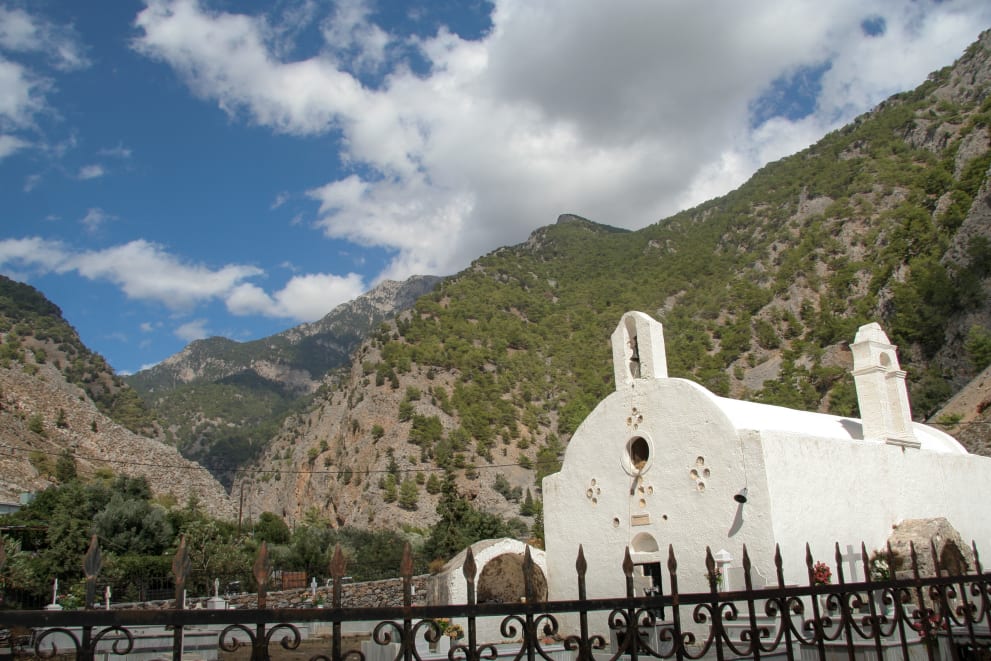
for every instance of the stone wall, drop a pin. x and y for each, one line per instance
(388, 592)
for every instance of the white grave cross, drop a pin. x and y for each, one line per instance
(851, 558)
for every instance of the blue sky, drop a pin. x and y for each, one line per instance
(175, 169)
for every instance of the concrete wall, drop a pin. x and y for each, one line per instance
(826, 491)
(682, 496)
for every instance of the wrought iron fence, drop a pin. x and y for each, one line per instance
(906, 616)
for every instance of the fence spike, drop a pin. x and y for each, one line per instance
(914, 557)
(710, 568)
(746, 559)
(838, 557)
(778, 562)
(93, 563)
(406, 565)
(181, 563)
(469, 568)
(808, 559)
(866, 561)
(973, 546)
(627, 563)
(338, 564)
(672, 561)
(932, 549)
(260, 571)
(528, 574)
(581, 565)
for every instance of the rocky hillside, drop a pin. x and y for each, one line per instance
(33, 326)
(760, 292)
(220, 401)
(51, 428)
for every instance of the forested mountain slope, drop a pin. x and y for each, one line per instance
(760, 292)
(220, 401)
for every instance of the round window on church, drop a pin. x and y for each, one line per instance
(637, 455)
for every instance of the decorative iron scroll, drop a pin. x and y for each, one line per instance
(900, 611)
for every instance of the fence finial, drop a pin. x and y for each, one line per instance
(337, 564)
(838, 557)
(260, 571)
(92, 564)
(581, 565)
(469, 568)
(406, 564)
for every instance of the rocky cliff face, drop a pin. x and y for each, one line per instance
(333, 459)
(44, 419)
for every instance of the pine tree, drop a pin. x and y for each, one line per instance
(409, 495)
(391, 491)
(526, 509)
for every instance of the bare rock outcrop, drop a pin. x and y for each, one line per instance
(42, 418)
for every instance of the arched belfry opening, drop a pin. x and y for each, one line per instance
(502, 581)
(638, 350)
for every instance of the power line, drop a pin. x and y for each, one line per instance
(288, 471)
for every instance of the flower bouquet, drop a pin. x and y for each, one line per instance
(821, 573)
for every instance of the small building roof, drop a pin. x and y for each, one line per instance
(766, 417)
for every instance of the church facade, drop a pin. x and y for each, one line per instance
(662, 461)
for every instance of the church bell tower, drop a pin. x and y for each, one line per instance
(881, 390)
(638, 350)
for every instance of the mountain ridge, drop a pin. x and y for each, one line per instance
(760, 292)
(220, 400)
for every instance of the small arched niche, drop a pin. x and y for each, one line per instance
(644, 543)
(501, 581)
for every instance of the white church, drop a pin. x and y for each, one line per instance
(663, 461)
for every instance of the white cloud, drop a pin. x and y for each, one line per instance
(120, 151)
(357, 43)
(31, 182)
(192, 330)
(304, 298)
(92, 171)
(24, 89)
(10, 144)
(623, 113)
(94, 219)
(25, 33)
(21, 95)
(145, 271)
(142, 270)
